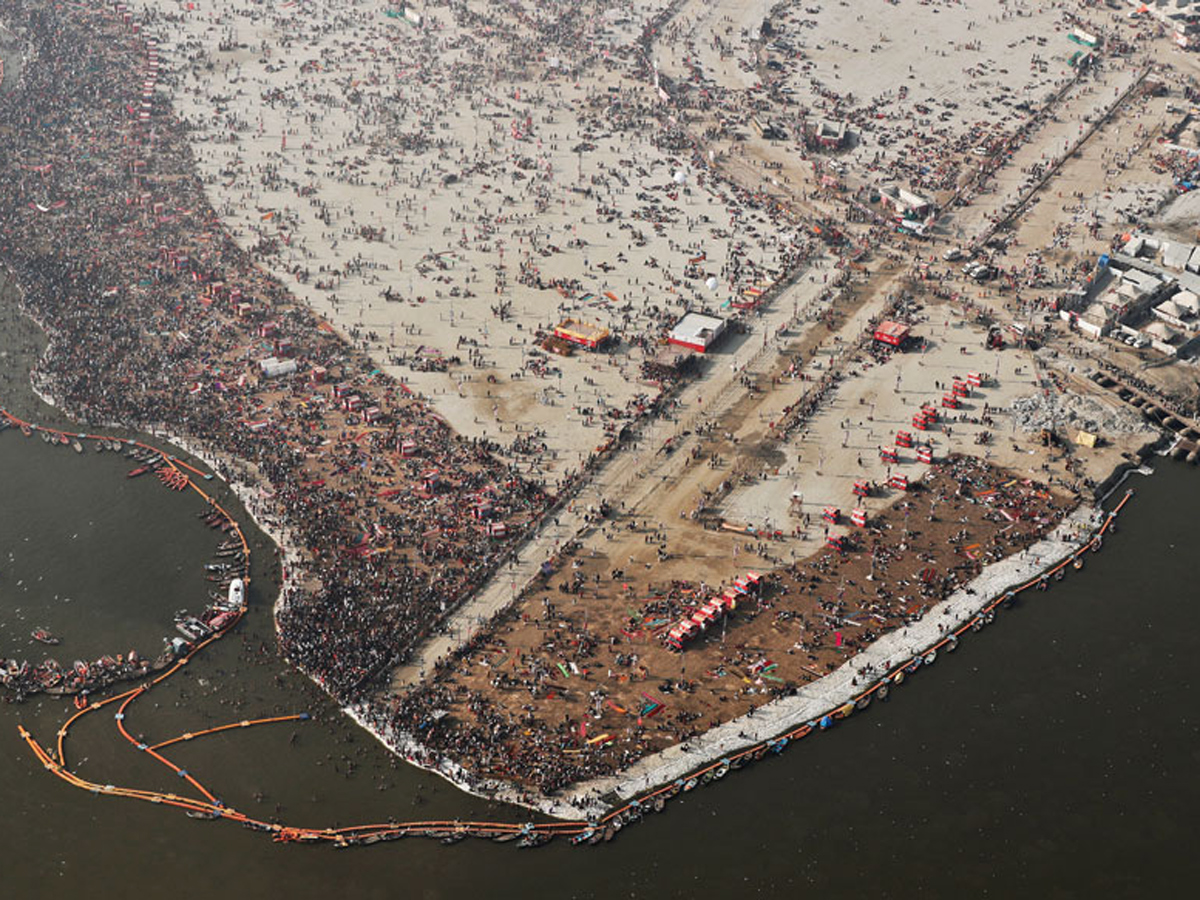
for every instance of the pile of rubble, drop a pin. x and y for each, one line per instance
(1073, 412)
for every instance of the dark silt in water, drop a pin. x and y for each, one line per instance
(1054, 754)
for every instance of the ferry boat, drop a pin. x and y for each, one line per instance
(50, 674)
(10, 668)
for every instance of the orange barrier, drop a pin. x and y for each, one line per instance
(245, 723)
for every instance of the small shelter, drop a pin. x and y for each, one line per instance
(697, 331)
(582, 334)
(276, 368)
(894, 334)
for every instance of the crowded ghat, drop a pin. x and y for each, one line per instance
(398, 503)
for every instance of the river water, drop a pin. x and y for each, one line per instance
(1055, 753)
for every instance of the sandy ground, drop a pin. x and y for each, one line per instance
(915, 78)
(362, 156)
(362, 189)
(811, 618)
(718, 37)
(818, 698)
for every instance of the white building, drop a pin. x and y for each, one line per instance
(697, 331)
(276, 368)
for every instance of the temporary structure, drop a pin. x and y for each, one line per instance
(894, 334)
(697, 331)
(584, 334)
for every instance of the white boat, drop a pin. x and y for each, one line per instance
(237, 593)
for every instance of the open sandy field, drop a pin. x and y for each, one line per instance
(430, 191)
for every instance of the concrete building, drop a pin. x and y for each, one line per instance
(827, 134)
(905, 203)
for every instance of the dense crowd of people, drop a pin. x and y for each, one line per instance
(157, 319)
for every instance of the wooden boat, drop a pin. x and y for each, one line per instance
(49, 676)
(44, 635)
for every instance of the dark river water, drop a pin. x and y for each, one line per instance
(1056, 754)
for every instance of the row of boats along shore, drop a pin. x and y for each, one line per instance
(225, 574)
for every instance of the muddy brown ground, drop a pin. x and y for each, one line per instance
(577, 680)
